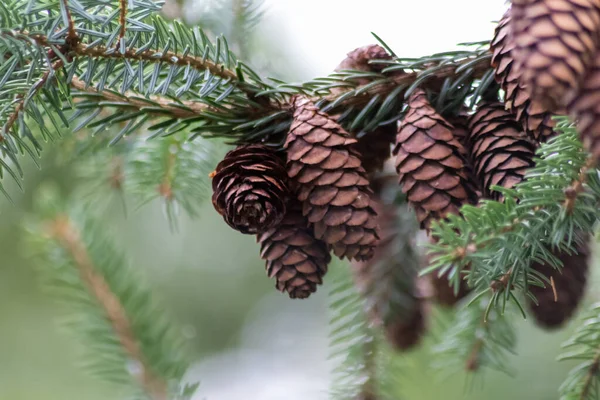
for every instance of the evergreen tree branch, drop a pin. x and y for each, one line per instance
(157, 105)
(67, 235)
(584, 346)
(129, 341)
(486, 242)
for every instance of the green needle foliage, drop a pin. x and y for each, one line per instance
(128, 340)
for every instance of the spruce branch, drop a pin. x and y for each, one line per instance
(583, 346)
(62, 230)
(129, 341)
(537, 212)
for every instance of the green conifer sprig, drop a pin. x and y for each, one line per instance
(127, 339)
(496, 241)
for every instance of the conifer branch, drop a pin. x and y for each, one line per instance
(64, 231)
(583, 346)
(182, 109)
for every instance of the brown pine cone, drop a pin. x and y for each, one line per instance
(388, 281)
(295, 258)
(359, 59)
(444, 293)
(332, 183)
(555, 41)
(431, 163)
(500, 151)
(250, 188)
(585, 109)
(374, 147)
(534, 118)
(570, 286)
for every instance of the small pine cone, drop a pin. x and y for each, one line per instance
(359, 59)
(444, 293)
(534, 118)
(332, 183)
(570, 286)
(555, 41)
(250, 188)
(500, 150)
(406, 333)
(585, 109)
(431, 163)
(388, 281)
(295, 258)
(374, 147)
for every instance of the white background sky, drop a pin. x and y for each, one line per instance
(323, 31)
(319, 33)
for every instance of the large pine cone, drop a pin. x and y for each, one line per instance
(250, 188)
(535, 120)
(585, 109)
(500, 150)
(332, 183)
(375, 147)
(570, 285)
(295, 258)
(555, 41)
(431, 163)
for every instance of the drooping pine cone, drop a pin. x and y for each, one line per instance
(500, 150)
(375, 147)
(555, 41)
(534, 118)
(359, 59)
(570, 286)
(388, 281)
(333, 187)
(444, 293)
(250, 188)
(431, 163)
(295, 258)
(585, 109)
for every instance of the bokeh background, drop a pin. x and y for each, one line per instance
(249, 341)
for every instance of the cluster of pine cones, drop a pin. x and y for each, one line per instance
(318, 195)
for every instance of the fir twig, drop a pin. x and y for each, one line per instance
(63, 230)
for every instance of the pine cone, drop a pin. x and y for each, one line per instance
(295, 258)
(388, 281)
(431, 163)
(332, 183)
(374, 147)
(500, 150)
(250, 188)
(585, 109)
(555, 42)
(444, 293)
(359, 59)
(534, 119)
(570, 286)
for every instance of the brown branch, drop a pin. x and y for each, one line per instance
(68, 236)
(21, 99)
(587, 384)
(122, 21)
(194, 108)
(575, 189)
(72, 37)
